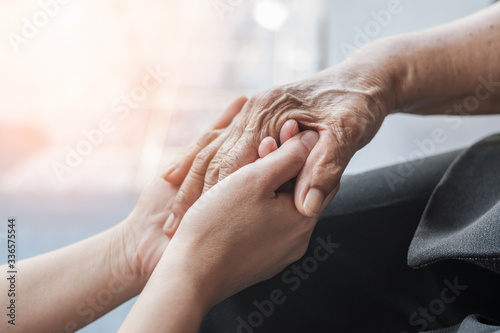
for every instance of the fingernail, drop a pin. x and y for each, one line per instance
(170, 222)
(312, 203)
(173, 175)
(290, 122)
(309, 139)
(275, 145)
(168, 170)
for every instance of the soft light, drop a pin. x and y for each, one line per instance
(270, 14)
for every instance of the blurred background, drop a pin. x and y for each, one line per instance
(98, 96)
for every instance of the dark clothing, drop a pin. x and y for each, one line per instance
(355, 277)
(462, 218)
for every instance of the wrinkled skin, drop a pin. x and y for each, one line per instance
(229, 240)
(345, 108)
(143, 239)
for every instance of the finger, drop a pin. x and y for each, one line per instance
(319, 180)
(230, 156)
(178, 171)
(290, 129)
(267, 146)
(243, 152)
(192, 186)
(239, 150)
(176, 174)
(285, 163)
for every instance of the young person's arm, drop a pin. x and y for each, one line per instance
(68, 288)
(240, 232)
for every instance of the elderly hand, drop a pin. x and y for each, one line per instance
(240, 232)
(244, 230)
(346, 105)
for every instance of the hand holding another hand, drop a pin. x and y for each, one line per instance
(243, 230)
(346, 105)
(141, 237)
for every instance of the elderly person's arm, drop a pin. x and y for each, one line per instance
(454, 68)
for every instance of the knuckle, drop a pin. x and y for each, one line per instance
(207, 137)
(326, 174)
(201, 162)
(229, 164)
(211, 175)
(203, 156)
(183, 200)
(213, 167)
(267, 110)
(349, 132)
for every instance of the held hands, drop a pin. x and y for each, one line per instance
(243, 230)
(141, 236)
(345, 116)
(343, 106)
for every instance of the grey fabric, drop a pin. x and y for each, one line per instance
(365, 285)
(471, 324)
(462, 220)
(462, 217)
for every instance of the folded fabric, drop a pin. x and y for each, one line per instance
(471, 324)
(462, 218)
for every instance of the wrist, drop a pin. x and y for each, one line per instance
(121, 256)
(170, 295)
(382, 67)
(181, 270)
(184, 260)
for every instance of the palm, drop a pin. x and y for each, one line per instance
(146, 224)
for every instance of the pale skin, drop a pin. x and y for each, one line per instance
(66, 289)
(56, 295)
(424, 73)
(220, 249)
(427, 72)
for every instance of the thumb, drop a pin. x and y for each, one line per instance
(319, 180)
(286, 162)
